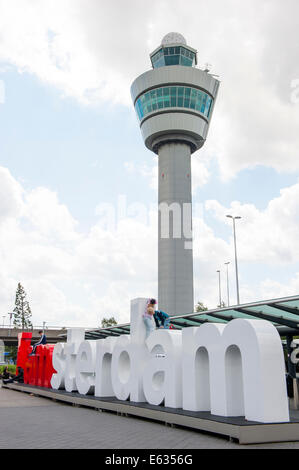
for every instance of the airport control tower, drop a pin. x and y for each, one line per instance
(174, 103)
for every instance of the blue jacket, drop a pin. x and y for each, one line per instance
(160, 317)
(43, 340)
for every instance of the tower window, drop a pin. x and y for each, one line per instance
(173, 56)
(174, 97)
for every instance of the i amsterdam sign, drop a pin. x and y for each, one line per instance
(230, 370)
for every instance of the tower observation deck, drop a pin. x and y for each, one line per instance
(174, 103)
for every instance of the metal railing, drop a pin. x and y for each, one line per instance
(47, 327)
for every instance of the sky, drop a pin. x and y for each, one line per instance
(78, 188)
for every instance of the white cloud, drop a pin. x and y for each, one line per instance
(74, 278)
(145, 170)
(92, 50)
(46, 214)
(11, 204)
(199, 168)
(200, 172)
(274, 289)
(80, 47)
(71, 278)
(270, 235)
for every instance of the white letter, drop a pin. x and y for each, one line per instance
(128, 362)
(162, 377)
(85, 367)
(59, 364)
(74, 339)
(130, 356)
(103, 384)
(164, 210)
(244, 366)
(203, 383)
(265, 393)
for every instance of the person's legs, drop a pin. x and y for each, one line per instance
(33, 350)
(148, 325)
(8, 381)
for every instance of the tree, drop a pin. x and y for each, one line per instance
(106, 322)
(200, 307)
(22, 312)
(13, 352)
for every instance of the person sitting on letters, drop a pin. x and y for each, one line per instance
(43, 340)
(148, 316)
(161, 319)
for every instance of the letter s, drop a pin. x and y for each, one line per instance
(59, 363)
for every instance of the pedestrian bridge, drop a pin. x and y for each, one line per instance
(9, 335)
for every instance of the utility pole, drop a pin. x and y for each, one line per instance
(236, 259)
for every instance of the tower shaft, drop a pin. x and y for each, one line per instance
(175, 259)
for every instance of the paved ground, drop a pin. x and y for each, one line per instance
(40, 423)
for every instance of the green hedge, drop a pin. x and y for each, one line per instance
(11, 369)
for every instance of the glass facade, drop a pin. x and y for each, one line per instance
(173, 56)
(173, 97)
(283, 313)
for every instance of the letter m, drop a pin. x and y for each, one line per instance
(165, 220)
(235, 370)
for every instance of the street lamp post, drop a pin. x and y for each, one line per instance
(227, 283)
(3, 316)
(219, 283)
(10, 318)
(236, 259)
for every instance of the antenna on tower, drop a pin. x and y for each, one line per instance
(207, 67)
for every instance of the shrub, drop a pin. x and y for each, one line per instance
(11, 369)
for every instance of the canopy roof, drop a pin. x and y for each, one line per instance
(283, 313)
